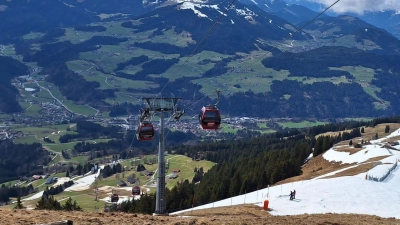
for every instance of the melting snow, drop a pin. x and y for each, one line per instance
(195, 7)
(245, 12)
(347, 194)
(189, 5)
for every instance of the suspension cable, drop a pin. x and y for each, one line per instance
(297, 31)
(275, 46)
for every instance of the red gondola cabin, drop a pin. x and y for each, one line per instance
(114, 198)
(136, 190)
(145, 131)
(210, 118)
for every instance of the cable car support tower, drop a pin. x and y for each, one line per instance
(162, 106)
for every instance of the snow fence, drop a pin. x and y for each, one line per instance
(381, 170)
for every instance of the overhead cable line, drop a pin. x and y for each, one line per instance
(297, 31)
(290, 35)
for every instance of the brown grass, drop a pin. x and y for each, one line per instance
(319, 166)
(316, 167)
(241, 214)
(380, 129)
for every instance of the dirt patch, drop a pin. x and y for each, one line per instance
(106, 191)
(346, 148)
(353, 171)
(316, 167)
(370, 132)
(241, 214)
(61, 180)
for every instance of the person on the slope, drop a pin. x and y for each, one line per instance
(294, 194)
(291, 195)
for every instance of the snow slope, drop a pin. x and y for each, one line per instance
(348, 194)
(84, 182)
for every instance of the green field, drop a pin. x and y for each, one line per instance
(31, 109)
(53, 132)
(186, 166)
(228, 128)
(258, 79)
(36, 134)
(58, 147)
(5, 116)
(302, 124)
(86, 198)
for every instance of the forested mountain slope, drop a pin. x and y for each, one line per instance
(98, 55)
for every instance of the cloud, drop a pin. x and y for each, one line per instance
(361, 6)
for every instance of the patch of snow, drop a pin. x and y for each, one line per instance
(344, 195)
(189, 5)
(193, 1)
(254, 2)
(30, 89)
(195, 7)
(368, 151)
(245, 12)
(33, 197)
(379, 170)
(84, 182)
(71, 6)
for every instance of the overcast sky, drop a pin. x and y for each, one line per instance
(359, 6)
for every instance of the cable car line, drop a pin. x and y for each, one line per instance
(217, 117)
(297, 31)
(209, 116)
(290, 35)
(146, 129)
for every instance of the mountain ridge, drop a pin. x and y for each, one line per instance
(230, 54)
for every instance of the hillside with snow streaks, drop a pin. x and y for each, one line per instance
(343, 195)
(196, 7)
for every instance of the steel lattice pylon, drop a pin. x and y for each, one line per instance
(161, 106)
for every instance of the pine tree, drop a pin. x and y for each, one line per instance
(41, 204)
(76, 207)
(387, 129)
(19, 204)
(68, 205)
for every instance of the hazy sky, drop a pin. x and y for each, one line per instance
(359, 6)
